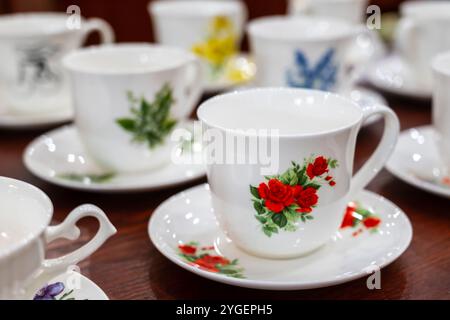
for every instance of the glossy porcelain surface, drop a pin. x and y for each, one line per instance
(23, 266)
(334, 146)
(394, 75)
(14, 120)
(349, 10)
(188, 219)
(60, 158)
(421, 34)
(69, 285)
(441, 104)
(416, 161)
(32, 45)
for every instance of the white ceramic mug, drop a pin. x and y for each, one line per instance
(25, 215)
(421, 34)
(441, 104)
(211, 29)
(350, 10)
(295, 204)
(304, 52)
(111, 86)
(31, 48)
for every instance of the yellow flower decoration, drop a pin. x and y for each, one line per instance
(220, 44)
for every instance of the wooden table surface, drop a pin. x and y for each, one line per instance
(129, 267)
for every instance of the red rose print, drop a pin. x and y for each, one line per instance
(319, 167)
(295, 190)
(277, 195)
(204, 257)
(371, 222)
(362, 216)
(307, 198)
(348, 217)
(210, 262)
(187, 249)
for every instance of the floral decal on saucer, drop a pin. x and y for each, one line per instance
(284, 199)
(203, 258)
(219, 46)
(150, 122)
(360, 218)
(88, 178)
(321, 76)
(52, 291)
(442, 181)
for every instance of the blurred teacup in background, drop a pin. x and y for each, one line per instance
(422, 33)
(128, 98)
(211, 29)
(441, 106)
(31, 48)
(304, 52)
(25, 215)
(350, 10)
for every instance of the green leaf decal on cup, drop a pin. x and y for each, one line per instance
(291, 196)
(150, 122)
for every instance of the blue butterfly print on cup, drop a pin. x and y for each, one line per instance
(321, 76)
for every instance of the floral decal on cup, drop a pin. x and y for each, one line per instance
(321, 76)
(203, 258)
(219, 46)
(150, 121)
(360, 218)
(52, 291)
(284, 199)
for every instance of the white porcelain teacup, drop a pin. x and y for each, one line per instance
(280, 172)
(31, 48)
(211, 29)
(304, 52)
(25, 215)
(351, 10)
(421, 34)
(128, 98)
(441, 105)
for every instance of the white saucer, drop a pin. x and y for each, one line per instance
(59, 158)
(187, 219)
(243, 64)
(393, 75)
(416, 161)
(69, 286)
(14, 120)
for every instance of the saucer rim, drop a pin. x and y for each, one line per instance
(264, 284)
(100, 292)
(371, 77)
(97, 188)
(410, 179)
(10, 120)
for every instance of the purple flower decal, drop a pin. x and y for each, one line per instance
(50, 291)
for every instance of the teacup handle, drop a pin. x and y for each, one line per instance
(194, 79)
(383, 151)
(68, 230)
(102, 27)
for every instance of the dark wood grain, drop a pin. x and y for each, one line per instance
(129, 267)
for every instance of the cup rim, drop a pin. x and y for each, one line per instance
(299, 91)
(17, 247)
(253, 25)
(171, 8)
(437, 63)
(69, 64)
(38, 15)
(410, 8)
